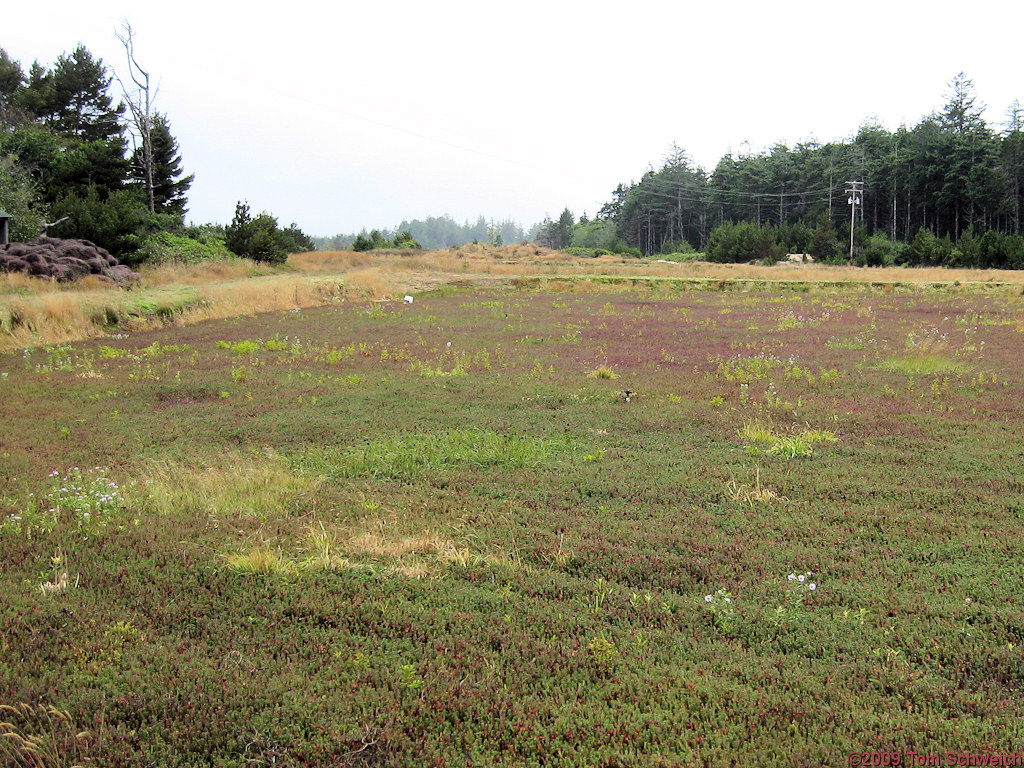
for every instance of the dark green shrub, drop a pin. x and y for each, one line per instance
(254, 238)
(291, 239)
(877, 251)
(928, 250)
(405, 240)
(679, 246)
(745, 241)
(795, 238)
(376, 239)
(824, 243)
(114, 222)
(999, 251)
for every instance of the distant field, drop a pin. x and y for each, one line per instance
(540, 517)
(36, 312)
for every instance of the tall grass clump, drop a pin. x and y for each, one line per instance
(262, 561)
(232, 485)
(762, 438)
(41, 737)
(164, 273)
(603, 372)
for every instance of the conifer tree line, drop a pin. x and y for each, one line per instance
(432, 233)
(83, 156)
(946, 192)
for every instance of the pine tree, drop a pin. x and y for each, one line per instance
(76, 99)
(170, 188)
(254, 238)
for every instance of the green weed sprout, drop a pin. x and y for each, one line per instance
(798, 587)
(721, 607)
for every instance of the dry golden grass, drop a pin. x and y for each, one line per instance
(838, 273)
(377, 545)
(20, 283)
(63, 309)
(41, 736)
(753, 495)
(330, 262)
(173, 273)
(370, 284)
(279, 293)
(261, 560)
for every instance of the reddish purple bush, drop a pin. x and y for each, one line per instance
(63, 260)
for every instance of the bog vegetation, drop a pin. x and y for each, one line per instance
(551, 512)
(503, 505)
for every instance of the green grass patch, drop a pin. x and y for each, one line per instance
(411, 456)
(926, 365)
(799, 444)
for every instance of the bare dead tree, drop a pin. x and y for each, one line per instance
(140, 105)
(45, 225)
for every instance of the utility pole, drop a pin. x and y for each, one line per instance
(855, 190)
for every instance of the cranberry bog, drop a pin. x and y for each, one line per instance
(549, 523)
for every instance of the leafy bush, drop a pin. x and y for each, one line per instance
(619, 247)
(795, 238)
(681, 256)
(405, 240)
(588, 253)
(165, 246)
(824, 243)
(18, 197)
(596, 233)
(1001, 251)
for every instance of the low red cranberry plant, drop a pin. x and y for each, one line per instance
(782, 525)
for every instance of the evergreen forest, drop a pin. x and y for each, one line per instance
(944, 192)
(85, 154)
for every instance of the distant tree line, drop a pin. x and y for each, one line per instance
(76, 161)
(947, 191)
(432, 233)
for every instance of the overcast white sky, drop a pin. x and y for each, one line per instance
(340, 116)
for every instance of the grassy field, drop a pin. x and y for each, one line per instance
(547, 514)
